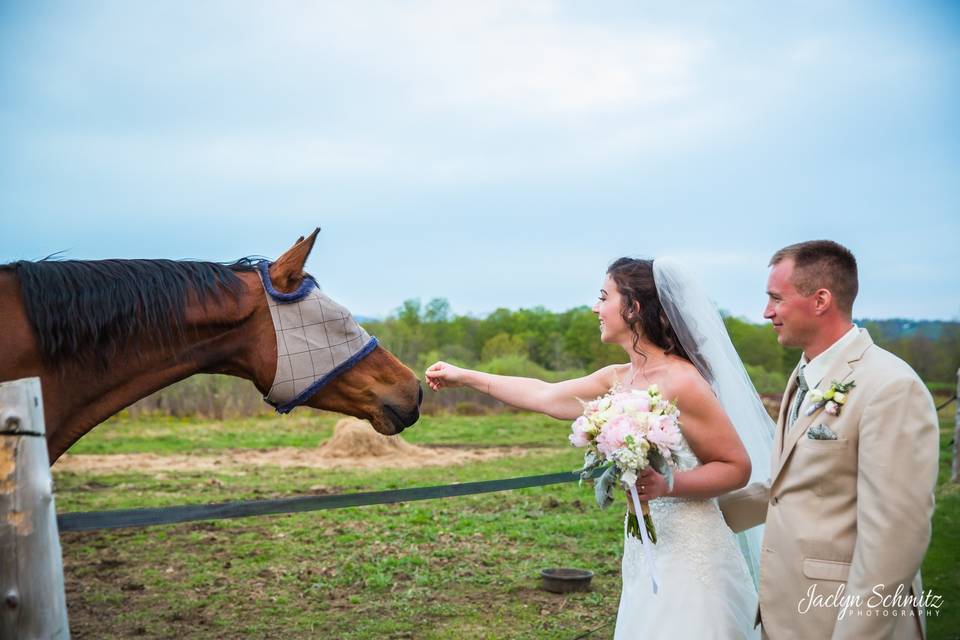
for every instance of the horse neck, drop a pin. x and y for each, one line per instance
(219, 337)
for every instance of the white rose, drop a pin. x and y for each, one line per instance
(839, 397)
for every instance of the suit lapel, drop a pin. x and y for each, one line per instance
(840, 371)
(782, 421)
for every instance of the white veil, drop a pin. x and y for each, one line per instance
(704, 337)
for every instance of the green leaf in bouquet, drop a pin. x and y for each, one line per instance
(668, 474)
(662, 465)
(590, 465)
(603, 487)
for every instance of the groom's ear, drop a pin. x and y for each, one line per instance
(822, 301)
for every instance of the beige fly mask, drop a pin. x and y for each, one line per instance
(317, 340)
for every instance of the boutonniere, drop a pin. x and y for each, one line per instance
(831, 400)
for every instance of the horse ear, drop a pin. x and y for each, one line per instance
(287, 271)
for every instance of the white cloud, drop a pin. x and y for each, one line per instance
(440, 92)
(519, 60)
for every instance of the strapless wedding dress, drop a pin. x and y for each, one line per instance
(705, 587)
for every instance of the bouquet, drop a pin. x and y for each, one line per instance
(624, 432)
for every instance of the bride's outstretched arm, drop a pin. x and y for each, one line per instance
(555, 399)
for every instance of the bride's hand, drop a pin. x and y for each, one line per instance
(440, 375)
(650, 485)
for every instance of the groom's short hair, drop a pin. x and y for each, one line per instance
(823, 264)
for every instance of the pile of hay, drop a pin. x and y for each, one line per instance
(354, 438)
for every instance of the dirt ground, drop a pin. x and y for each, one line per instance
(354, 445)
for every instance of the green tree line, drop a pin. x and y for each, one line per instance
(557, 345)
(547, 344)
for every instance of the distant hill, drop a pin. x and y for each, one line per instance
(896, 328)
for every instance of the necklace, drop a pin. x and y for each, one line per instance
(636, 371)
(634, 376)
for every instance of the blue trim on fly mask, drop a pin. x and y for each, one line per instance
(294, 296)
(341, 368)
(302, 292)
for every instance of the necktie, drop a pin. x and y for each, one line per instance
(798, 397)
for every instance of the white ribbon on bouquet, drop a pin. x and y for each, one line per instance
(647, 551)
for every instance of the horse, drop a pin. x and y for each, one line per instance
(102, 334)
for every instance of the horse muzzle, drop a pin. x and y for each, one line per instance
(402, 419)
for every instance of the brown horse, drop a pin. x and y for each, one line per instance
(102, 334)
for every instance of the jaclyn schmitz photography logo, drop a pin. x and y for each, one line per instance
(878, 603)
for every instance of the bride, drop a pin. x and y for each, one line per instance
(675, 339)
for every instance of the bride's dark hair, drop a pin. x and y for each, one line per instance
(636, 284)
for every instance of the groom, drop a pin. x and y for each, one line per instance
(849, 502)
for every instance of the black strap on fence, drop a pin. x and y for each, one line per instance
(118, 519)
(947, 402)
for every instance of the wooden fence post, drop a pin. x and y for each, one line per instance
(32, 599)
(955, 476)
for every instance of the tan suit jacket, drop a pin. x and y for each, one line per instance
(852, 512)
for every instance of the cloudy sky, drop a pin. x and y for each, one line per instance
(492, 153)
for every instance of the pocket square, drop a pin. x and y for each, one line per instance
(821, 432)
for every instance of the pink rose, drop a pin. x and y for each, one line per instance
(616, 406)
(832, 408)
(580, 437)
(664, 433)
(614, 433)
(636, 403)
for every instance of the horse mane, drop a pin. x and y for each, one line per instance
(85, 311)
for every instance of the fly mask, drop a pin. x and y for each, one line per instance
(317, 340)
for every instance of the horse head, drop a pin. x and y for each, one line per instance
(323, 358)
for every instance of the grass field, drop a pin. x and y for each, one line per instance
(463, 567)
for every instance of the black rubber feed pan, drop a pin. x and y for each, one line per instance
(566, 580)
